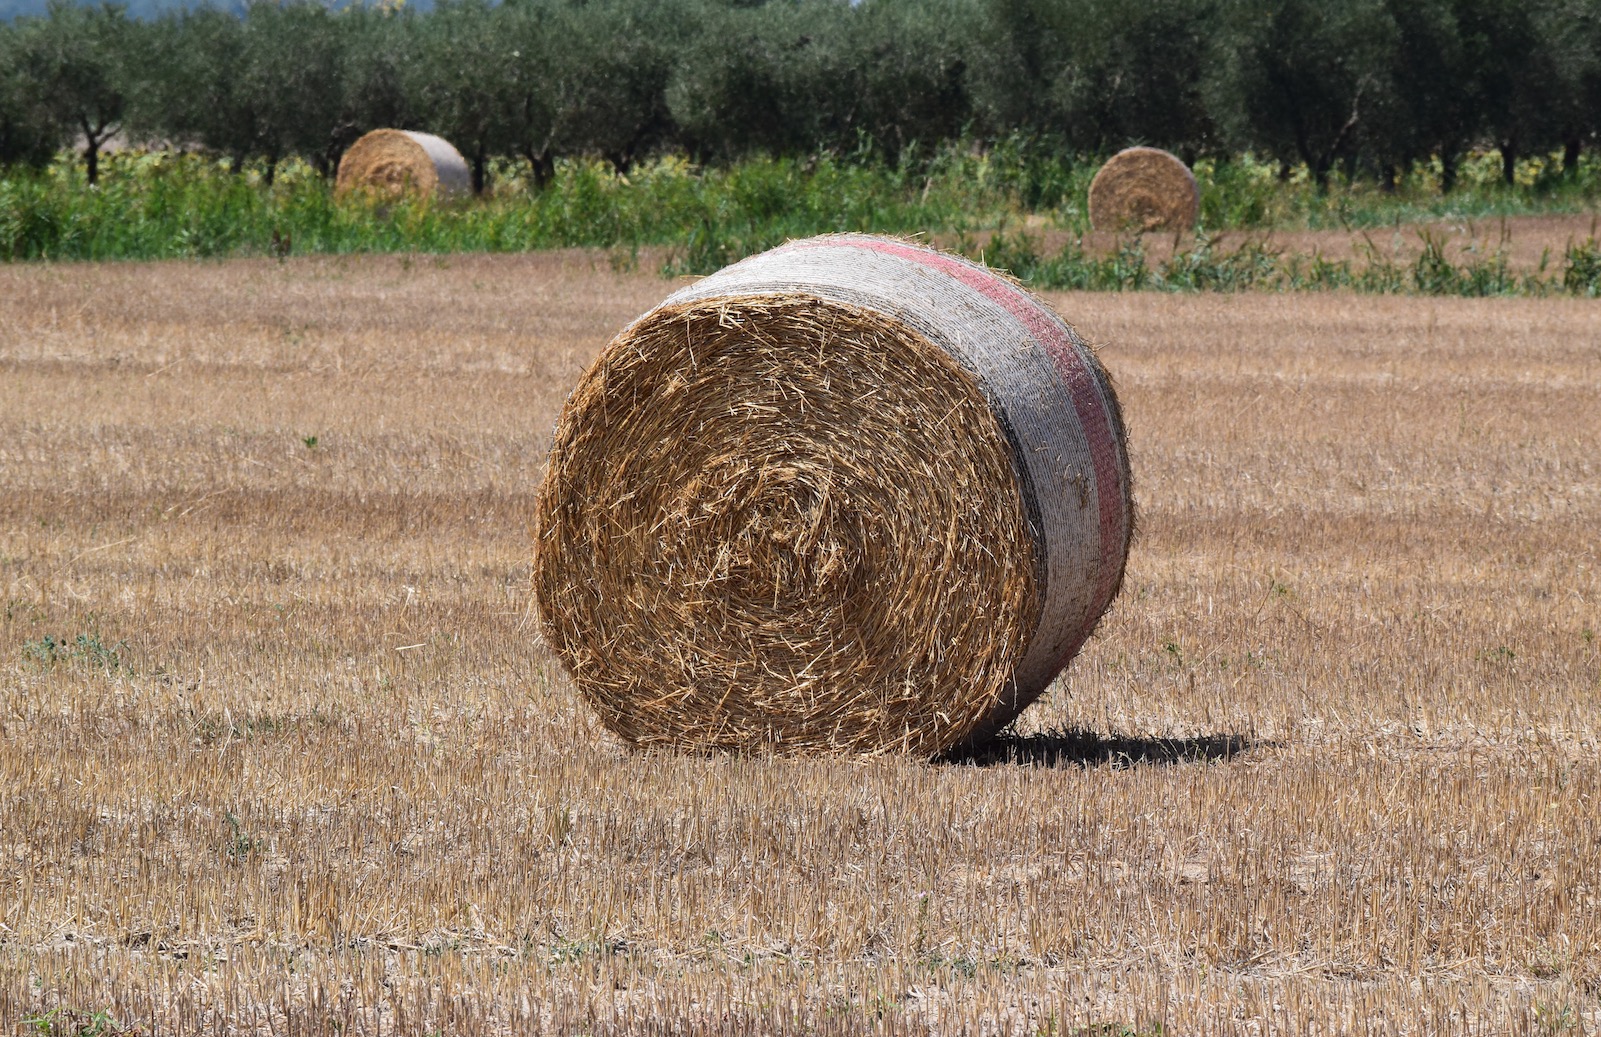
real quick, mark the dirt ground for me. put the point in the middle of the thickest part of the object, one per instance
(281, 750)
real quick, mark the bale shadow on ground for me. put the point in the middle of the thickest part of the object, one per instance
(1089, 749)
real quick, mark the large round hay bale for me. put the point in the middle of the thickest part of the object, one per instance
(1144, 189)
(392, 163)
(849, 495)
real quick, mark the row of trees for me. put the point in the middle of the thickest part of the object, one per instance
(1368, 86)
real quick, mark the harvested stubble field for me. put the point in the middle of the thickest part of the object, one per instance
(280, 751)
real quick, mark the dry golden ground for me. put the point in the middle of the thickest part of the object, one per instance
(1332, 765)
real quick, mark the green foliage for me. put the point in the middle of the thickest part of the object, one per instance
(27, 133)
(1243, 192)
(1527, 59)
(1371, 90)
(269, 85)
(76, 72)
(165, 205)
(1582, 272)
(1207, 267)
(445, 78)
(1434, 274)
(1294, 77)
(889, 76)
(1094, 75)
(69, 1022)
(85, 650)
(238, 844)
(1071, 268)
(1146, 80)
(375, 71)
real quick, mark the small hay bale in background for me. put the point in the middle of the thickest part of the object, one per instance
(849, 495)
(392, 163)
(1144, 189)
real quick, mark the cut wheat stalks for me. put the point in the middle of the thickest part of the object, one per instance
(852, 495)
(392, 163)
(1144, 189)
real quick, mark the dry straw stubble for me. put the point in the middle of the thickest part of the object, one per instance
(787, 511)
(1410, 844)
(1144, 189)
(392, 163)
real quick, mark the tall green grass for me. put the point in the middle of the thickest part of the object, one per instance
(166, 205)
(1206, 267)
(163, 205)
(1245, 193)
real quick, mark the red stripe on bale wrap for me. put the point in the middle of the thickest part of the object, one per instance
(1014, 393)
(851, 494)
(1049, 331)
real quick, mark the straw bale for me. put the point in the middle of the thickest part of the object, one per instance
(1144, 189)
(392, 163)
(850, 495)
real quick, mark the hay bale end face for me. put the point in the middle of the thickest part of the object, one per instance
(851, 495)
(1144, 189)
(393, 163)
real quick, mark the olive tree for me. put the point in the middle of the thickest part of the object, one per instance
(27, 134)
(459, 79)
(78, 67)
(1297, 78)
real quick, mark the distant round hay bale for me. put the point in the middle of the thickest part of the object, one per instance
(849, 495)
(392, 163)
(1144, 189)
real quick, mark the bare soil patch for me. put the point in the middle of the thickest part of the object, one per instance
(281, 750)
